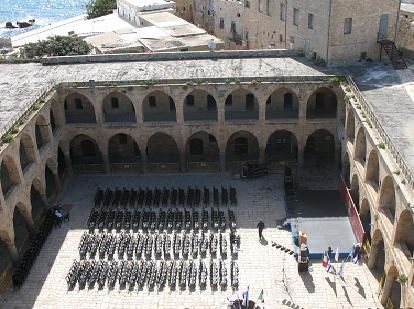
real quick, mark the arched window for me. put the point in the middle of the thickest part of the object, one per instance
(196, 147)
(229, 100)
(241, 146)
(88, 149)
(114, 102)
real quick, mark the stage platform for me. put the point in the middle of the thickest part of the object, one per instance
(322, 216)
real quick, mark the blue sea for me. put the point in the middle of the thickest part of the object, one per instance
(45, 12)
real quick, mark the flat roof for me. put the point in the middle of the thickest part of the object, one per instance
(149, 3)
(163, 19)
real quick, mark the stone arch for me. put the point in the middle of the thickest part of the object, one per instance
(282, 103)
(346, 169)
(122, 148)
(158, 106)
(365, 216)
(320, 147)
(42, 132)
(350, 125)
(84, 150)
(387, 202)
(117, 107)
(404, 232)
(361, 145)
(55, 119)
(38, 197)
(322, 104)
(162, 148)
(50, 183)
(27, 151)
(354, 190)
(22, 221)
(242, 146)
(282, 144)
(9, 174)
(200, 105)
(373, 170)
(202, 146)
(241, 104)
(377, 257)
(79, 109)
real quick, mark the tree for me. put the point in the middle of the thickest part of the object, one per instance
(97, 8)
(57, 46)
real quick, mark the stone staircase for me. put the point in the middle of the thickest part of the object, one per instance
(393, 53)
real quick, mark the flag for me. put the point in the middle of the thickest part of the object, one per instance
(330, 268)
(245, 296)
(261, 297)
(337, 254)
(341, 269)
(325, 259)
(350, 252)
(355, 259)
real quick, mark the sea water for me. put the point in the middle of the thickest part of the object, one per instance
(45, 12)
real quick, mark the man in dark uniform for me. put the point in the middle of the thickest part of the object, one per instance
(261, 227)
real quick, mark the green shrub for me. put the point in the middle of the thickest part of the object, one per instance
(369, 123)
(199, 81)
(348, 89)
(36, 106)
(358, 106)
(75, 85)
(353, 96)
(237, 81)
(97, 8)
(277, 80)
(110, 84)
(321, 62)
(150, 82)
(129, 88)
(403, 181)
(57, 46)
(397, 172)
(227, 81)
(57, 86)
(381, 145)
(42, 100)
(189, 83)
(14, 130)
(8, 138)
(402, 278)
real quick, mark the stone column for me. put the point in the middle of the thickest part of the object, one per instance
(337, 160)
(387, 289)
(223, 161)
(301, 158)
(14, 254)
(373, 255)
(44, 201)
(262, 154)
(68, 163)
(28, 220)
(144, 162)
(56, 178)
(106, 163)
(183, 161)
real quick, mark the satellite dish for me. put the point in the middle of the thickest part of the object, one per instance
(211, 45)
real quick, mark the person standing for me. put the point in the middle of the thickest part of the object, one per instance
(261, 227)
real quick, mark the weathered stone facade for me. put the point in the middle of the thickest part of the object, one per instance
(332, 30)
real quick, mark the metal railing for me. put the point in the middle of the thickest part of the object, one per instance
(384, 135)
(203, 166)
(163, 167)
(126, 167)
(89, 168)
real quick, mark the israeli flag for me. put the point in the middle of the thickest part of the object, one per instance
(245, 296)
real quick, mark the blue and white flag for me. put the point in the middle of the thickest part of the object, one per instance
(341, 269)
(355, 259)
(351, 252)
(245, 296)
(337, 254)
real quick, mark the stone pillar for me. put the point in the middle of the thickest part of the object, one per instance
(301, 158)
(28, 220)
(262, 154)
(337, 160)
(68, 163)
(144, 162)
(44, 201)
(14, 254)
(57, 180)
(106, 163)
(387, 289)
(223, 161)
(183, 161)
(373, 255)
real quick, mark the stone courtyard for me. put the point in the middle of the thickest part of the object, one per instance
(261, 266)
